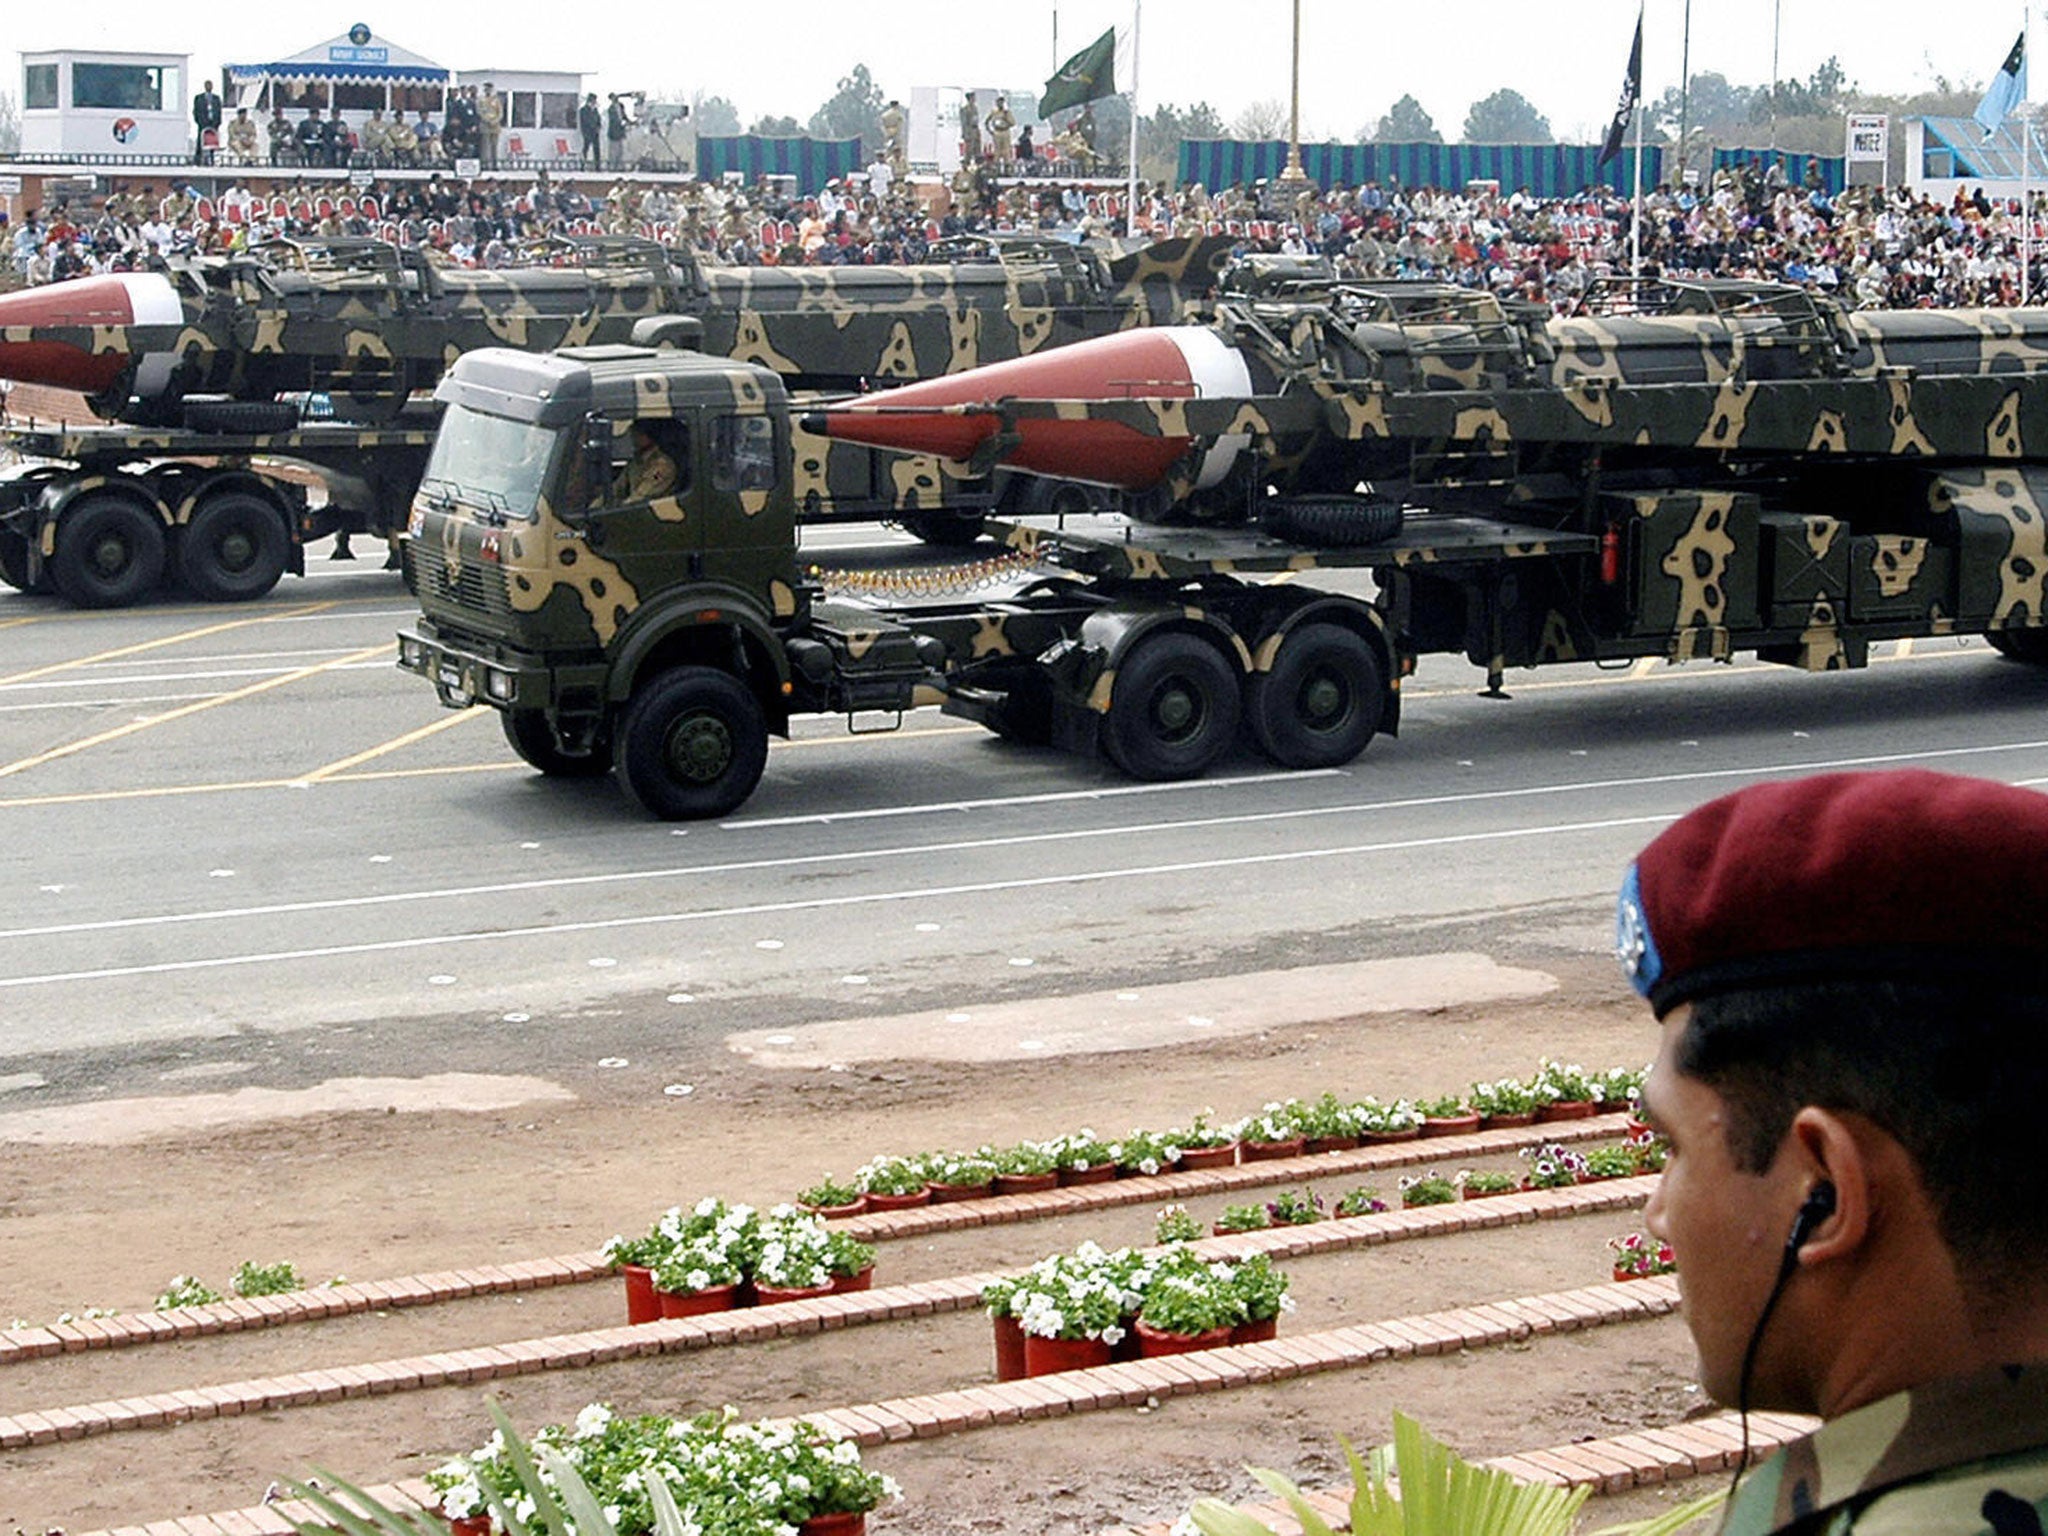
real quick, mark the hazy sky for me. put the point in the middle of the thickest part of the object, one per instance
(1357, 55)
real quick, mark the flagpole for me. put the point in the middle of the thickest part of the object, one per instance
(2026, 160)
(1131, 164)
(1635, 223)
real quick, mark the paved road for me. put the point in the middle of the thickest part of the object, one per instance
(239, 833)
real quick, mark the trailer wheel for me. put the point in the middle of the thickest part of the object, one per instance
(1322, 701)
(534, 740)
(233, 549)
(943, 530)
(110, 552)
(245, 416)
(1339, 521)
(692, 744)
(1173, 708)
(2027, 645)
(14, 564)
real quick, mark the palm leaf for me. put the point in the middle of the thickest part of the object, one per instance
(370, 1516)
(1312, 1523)
(1213, 1517)
(1673, 1520)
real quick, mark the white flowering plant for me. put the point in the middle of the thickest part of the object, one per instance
(847, 1256)
(1146, 1152)
(1375, 1118)
(1088, 1294)
(1563, 1082)
(795, 1250)
(1200, 1132)
(893, 1176)
(1079, 1151)
(1275, 1121)
(186, 1291)
(613, 1475)
(1503, 1096)
(960, 1170)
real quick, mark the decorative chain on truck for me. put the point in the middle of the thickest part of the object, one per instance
(1688, 470)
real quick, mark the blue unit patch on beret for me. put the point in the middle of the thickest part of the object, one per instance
(1634, 945)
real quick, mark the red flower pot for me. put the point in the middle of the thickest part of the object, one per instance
(1047, 1357)
(952, 1194)
(919, 1197)
(863, 1281)
(1470, 1193)
(1026, 1183)
(771, 1295)
(470, 1525)
(1209, 1157)
(1381, 1138)
(1219, 1230)
(1100, 1173)
(1260, 1330)
(1270, 1151)
(1450, 1125)
(836, 1212)
(1565, 1109)
(1153, 1342)
(641, 1305)
(713, 1298)
(1627, 1274)
(1009, 1348)
(1508, 1121)
(1329, 1144)
(838, 1523)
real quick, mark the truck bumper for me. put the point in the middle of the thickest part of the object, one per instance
(466, 672)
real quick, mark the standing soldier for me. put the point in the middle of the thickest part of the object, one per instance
(590, 123)
(892, 138)
(616, 122)
(970, 130)
(205, 125)
(490, 116)
(1000, 126)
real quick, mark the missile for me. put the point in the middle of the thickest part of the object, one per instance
(369, 323)
(958, 416)
(66, 334)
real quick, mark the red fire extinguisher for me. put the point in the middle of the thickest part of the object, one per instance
(1610, 555)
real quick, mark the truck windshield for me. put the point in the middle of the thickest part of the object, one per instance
(490, 464)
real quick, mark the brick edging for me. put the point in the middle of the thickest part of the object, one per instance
(1638, 1459)
(1001, 1210)
(605, 1346)
(932, 1415)
(239, 1313)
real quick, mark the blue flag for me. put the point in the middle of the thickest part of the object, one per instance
(2007, 90)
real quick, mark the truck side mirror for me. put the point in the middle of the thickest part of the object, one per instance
(595, 450)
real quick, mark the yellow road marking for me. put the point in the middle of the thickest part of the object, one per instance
(21, 765)
(157, 644)
(1905, 649)
(1645, 665)
(433, 728)
(1282, 578)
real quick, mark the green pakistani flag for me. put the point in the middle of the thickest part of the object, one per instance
(1087, 75)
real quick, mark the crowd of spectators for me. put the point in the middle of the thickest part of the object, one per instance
(1868, 247)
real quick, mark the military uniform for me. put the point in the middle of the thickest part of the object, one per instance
(1967, 1456)
(892, 139)
(1001, 124)
(490, 117)
(970, 130)
(649, 474)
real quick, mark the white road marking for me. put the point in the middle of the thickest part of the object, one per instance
(1050, 797)
(971, 845)
(89, 680)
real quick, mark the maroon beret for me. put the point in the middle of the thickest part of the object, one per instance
(1909, 875)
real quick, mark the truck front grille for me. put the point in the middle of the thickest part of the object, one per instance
(475, 588)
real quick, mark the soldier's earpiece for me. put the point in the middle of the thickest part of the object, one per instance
(1818, 1206)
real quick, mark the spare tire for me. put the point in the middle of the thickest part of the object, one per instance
(242, 416)
(1341, 522)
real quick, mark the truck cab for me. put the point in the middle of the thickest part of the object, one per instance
(604, 549)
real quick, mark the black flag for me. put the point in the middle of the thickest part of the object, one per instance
(1631, 93)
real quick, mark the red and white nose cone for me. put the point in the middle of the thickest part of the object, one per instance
(1162, 363)
(108, 306)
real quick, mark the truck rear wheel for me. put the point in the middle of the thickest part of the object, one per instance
(534, 740)
(110, 552)
(1173, 708)
(1322, 701)
(233, 549)
(2028, 645)
(692, 744)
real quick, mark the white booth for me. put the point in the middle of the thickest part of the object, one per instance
(91, 104)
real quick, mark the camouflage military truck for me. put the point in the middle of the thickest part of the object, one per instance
(669, 636)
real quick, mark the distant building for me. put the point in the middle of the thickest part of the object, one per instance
(91, 105)
(1947, 155)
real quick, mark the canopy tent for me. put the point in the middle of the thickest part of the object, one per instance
(1548, 170)
(354, 58)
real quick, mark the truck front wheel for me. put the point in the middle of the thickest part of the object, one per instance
(692, 744)
(1322, 701)
(534, 739)
(1173, 708)
(110, 552)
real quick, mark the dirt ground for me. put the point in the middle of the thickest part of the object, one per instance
(379, 1194)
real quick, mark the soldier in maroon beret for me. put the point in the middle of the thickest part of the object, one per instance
(1852, 976)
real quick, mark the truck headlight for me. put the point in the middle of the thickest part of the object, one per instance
(410, 652)
(499, 685)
